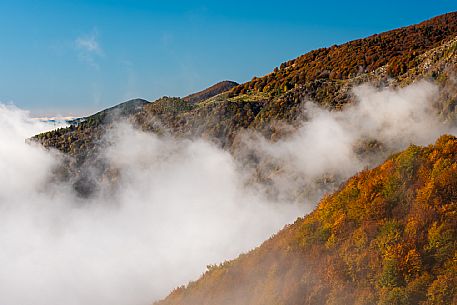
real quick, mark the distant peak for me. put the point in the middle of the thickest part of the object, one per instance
(136, 100)
(207, 93)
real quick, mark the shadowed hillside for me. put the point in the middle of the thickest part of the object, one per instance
(82, 133)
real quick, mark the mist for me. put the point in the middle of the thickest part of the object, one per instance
(331, 146)
(179, 205)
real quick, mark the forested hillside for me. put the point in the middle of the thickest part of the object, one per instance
(220, 116)
(387, 236)
(398, 50)
(325, 76)
(210, 92)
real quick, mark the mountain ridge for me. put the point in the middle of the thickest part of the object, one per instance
(220, 117)
(386, 236)
(104, 116)
(395, 49)
(209, 92)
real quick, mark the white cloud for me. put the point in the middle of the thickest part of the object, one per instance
(178, 205)
(89, 43)
(89, 48)
(327, 142)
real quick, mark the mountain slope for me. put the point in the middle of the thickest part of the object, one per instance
(121, 110)
(396, 49)
(273, 114)
(280, 95)
(83, 133)
(388, 236)
(210, 92)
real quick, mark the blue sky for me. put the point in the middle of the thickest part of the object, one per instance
(76, 57)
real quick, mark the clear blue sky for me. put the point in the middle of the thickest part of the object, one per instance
(61, 57)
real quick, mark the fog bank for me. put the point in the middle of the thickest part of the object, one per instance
(179, 205)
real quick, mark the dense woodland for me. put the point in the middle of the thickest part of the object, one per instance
(397, 50)
(388, 236)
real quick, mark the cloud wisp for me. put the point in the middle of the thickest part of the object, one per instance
(89, 49)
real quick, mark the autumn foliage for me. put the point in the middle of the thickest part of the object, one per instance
(388, 236)
(397, 50)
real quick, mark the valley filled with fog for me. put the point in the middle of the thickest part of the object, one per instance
(178, 204)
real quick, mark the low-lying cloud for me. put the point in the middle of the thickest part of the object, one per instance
(331, 146)
(178, 205)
